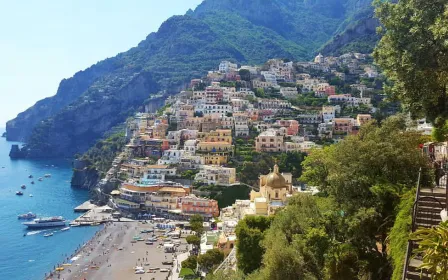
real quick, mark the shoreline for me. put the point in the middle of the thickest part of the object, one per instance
(78, 250)
(113, 253)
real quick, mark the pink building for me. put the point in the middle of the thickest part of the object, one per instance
(292, 126)
(196, 205)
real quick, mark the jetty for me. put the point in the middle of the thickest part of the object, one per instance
(86, 206)
(95, 216)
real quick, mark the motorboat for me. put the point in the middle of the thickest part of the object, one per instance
(19, 193)
(46, 222)
(31, 195)
(47, 175)
(31, 176)
(65, 229)
(48, 234)
(27, 216)
(40, 179)
(23, 186)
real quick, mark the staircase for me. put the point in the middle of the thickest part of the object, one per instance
(426, 213)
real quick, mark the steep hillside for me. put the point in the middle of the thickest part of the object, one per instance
(184, 47)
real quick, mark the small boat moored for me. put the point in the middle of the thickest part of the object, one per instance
(31, 195)
(40, 179)
(47, 175)
(29, 215)
(32, 182)
(31, 176)
(19, 193)
(48, 234)
(23, 186)
(65, 229)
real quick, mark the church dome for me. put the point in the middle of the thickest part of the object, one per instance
(275, 180)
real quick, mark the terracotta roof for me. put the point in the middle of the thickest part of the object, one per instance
(170, 189)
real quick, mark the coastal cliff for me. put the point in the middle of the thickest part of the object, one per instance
(85, 176)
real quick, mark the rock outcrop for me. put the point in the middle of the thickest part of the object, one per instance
(84, 175)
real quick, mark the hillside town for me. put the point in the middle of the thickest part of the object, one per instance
(191, 143)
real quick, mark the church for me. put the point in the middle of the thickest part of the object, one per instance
(275, 189)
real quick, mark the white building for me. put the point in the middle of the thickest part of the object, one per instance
(159, 172)
(289, 92)
(171, 157)
(227, 67)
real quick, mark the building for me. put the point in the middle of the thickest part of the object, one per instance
(159, 172)
(292, 126)
(270, 140)
(227, 67)
(275, 188)
(216, 175)
(363, 119)
(328, 113)
(196, 205)
(289, 92)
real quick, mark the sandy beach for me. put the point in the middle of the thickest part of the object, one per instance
(110, 254)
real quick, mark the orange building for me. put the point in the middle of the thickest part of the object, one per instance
(197, 205)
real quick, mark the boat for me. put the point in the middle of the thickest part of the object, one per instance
(65, 229)
(47, 175)
(19, 193)
(23, 186)
(48, 234)
(46, 222)
(31, 195)
(29, 215)
(32, 182)
(31, 176)
(40, 179)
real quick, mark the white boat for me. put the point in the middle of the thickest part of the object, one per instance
(65, 229)
(48, 234)
(28, 215)
(40, 179)
(19, 193)
(47, 175)
(23, 186)
(31, 195)
(46, 222)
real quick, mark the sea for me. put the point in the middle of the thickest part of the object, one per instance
(27, 254)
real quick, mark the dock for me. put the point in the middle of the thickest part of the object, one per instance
(86, 206)
(95, 216)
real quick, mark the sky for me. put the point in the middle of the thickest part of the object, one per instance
(44, 41)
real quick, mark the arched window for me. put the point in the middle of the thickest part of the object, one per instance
(276, 194)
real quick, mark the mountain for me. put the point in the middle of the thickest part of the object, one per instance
(244, 31)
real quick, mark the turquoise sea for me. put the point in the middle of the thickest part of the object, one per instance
(31, 256)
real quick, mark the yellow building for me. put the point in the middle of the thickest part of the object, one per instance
(214, 147)
(275, 188)
(219, 135)
(213, 159)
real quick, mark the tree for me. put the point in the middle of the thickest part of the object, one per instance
(433, 246)
(210, 259)
(414, 55)
(366, 175)
(191, 262)
(197, 224)
(193, 240)
(250, 233)
(245, 74)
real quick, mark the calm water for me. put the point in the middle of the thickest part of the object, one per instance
(30, 256)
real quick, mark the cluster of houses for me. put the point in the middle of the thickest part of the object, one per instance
(194, 136)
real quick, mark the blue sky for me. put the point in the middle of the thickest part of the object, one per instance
(44, 41)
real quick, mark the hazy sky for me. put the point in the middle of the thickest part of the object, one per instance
(44, 41)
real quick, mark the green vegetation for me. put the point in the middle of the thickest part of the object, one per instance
(190, 263)
(357, 227)
(103, 153)
(188, 273)
(411, 53)
(250, 233)
(399, 234)
(433, 246)
(210, 259)
(196, 224)
(194, 240)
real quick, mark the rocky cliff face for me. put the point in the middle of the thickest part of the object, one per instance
(20, 128)
(84, 176)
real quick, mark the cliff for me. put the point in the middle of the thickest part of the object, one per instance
(246, 31)
(84, 175)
